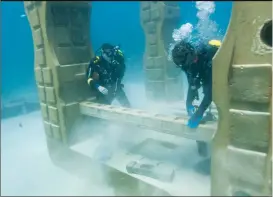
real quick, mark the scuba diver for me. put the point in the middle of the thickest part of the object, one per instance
(196, 62)
(105, 73)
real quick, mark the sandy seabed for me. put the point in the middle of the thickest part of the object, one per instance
(26, 168)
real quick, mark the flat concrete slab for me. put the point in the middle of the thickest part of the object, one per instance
(118, 148)
(170, 124)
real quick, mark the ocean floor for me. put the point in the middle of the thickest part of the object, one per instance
(26, 169)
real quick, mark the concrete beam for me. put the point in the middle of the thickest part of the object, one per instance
(172, 125)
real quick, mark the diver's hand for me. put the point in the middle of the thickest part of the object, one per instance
(194, 121)
(102, 90)
(191, 110)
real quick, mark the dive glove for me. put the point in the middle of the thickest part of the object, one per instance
(194, 121)
(191, 110)
(102, 90)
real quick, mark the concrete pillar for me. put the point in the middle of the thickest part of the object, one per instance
(62, 50)
(242, 91)
(159, 19)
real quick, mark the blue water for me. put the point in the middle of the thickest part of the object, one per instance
(115, 22)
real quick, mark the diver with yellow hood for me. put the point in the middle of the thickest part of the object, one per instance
(196, 62)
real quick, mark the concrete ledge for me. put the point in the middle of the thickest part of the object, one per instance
(172, 125)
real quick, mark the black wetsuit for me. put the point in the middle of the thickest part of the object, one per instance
(199, 75)
(108, 75)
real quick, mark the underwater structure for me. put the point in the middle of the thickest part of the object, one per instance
(241, 159)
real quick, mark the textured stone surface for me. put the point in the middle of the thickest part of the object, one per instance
(255, 126)
(241, 156)
(246, 166)
(158, 19)
(251, 83)
(66, 27)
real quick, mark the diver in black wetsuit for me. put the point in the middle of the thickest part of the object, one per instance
(105, 73)
(197, 64)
